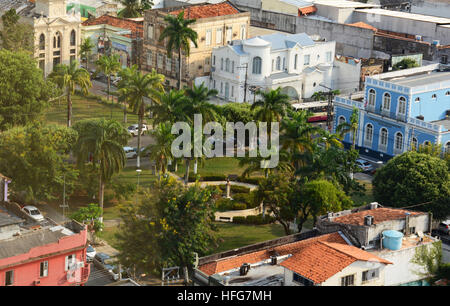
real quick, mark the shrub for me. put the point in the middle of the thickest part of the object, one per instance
(224, 204)
(254, 220)
(123, 191)
(239, 206)
(239, 220)
(250, 180)
(239, 189)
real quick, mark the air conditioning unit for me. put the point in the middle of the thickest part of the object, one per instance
(436, 42)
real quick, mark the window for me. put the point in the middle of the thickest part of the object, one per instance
(417, 100)
(273, 65)
(214, 84)
(383, 138)
(219, 36)
(341, 120)
(9, 278)
(386, 102)
(149, 58)
(160, 59)
(57, 40)
(150, 31)
(257, 65)
(371, 97)
(278, 63)
(348, 280)
(398, 142)
(42, 42)
(208, 37)
(227, 65)
(434, 96)
(70, 260)
(221, 87)
(168, 64)
(295, 61)
(42, 65)
(72, 38)
(427, 143)
(447, 147)
(306, 60)
(229, 36)
(232, 67)
(401, 106)
(447, 93)
(243, 31)
(43, 270)
(232, 91)
(328, 56)
(370, 274)
(368, 134)
(414, 143)
(444, 59)
(214, 60)
(301, 280)
(284, 63)
(221, 64)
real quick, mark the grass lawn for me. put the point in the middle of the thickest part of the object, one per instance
(108, 235)
(366, 198)
(239, 235)
(85, 108)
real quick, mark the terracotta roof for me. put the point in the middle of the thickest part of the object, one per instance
(134, 26)
(379, 215)
(307, 10)
(363, 25)
(207, 10)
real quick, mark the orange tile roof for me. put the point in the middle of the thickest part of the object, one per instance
(134, 26)
(307, 10)
(363, 25)
(379, 215)
(207, 10)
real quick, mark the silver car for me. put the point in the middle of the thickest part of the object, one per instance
(444, 227)
(33, 212)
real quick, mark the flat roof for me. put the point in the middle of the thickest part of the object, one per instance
(344, 3)
(420, 79)
(397, 14)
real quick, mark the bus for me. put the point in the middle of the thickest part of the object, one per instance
(318, 108)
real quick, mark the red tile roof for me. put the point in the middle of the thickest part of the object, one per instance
(379, 215)
(207, 10)
(307, 10)
(126, 24)
(363, 25)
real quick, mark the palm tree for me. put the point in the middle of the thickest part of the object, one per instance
(125, 77)
(134, 8)
(101, 142)
(85, 50)
(68, 77)
(329, 139)
(142, 86)
(109, 65)
(170, 107)
(351, 127)
(180, 36)
(161, 151)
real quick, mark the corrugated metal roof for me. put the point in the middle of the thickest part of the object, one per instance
(298, 3)
(284, 41)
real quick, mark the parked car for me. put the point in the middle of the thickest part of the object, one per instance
(134, 129)
(364, 165)
(104, 261)
(444, 227)
(130, 152)
(90, 253)
(33, 212)
(115, 272)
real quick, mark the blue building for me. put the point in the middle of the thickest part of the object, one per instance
(399, 111)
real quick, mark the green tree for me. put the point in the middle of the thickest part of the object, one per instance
(165, 230)
(180, 36)
(134, 8)
(349, 127)
(414, 178)
(236, 112)
(160, 151)
(68, 77)
(16, 35)
(169, 107)
(101, 142)
(126, 75)
(35, 157)
(90, 215)
(429, 258)
(85, 50)
(405, 64)
(109, 65)
(143, 86)
(24, 94)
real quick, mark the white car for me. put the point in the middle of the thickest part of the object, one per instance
(33, 212)
(134, 129)
(90, 253)
(130, 152)
(364, 165)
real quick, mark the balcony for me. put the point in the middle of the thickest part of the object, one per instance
(386, 113)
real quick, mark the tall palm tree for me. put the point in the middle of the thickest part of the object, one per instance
(161, 151)
(349, 127)
(180, 36)
(68, 77)
(170, 107)
(142, 86)
(109, 65)
(134, 8)
(125, 75)
(85, 50)
(101, 142)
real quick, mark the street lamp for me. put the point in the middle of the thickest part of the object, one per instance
(137, 189)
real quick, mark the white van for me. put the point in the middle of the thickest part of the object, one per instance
(130, 152)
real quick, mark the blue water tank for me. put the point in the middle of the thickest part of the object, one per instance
(392, 240)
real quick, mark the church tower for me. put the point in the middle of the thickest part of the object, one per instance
(51, 8)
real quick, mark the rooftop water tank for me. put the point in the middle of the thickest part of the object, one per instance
(392, 240)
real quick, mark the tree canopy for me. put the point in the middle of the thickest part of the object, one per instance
(16, 35)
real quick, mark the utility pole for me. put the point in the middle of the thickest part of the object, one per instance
(245, 83)
(330, 106)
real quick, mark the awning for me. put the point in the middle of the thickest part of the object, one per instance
(307, 10)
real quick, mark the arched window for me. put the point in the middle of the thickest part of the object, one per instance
(341, 120)
(386, 101)
(257, 65)
(278, 63)
(73, 40)
(414, 144)
(42, 42)
(369, 134)
(227, 65)
(398, 146)
(434, 96)
(447, 93)
(417, 100)
(402, 106)
(427, 143)
(57, 40)
(383, 138)
(447, 147)
(371, 98)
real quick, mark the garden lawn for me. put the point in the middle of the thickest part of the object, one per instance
(86, 108)
(234, 236)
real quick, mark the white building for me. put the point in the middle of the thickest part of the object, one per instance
(293, 62)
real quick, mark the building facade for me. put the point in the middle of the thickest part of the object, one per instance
(216, 25)
(293, 62)
(400, 111)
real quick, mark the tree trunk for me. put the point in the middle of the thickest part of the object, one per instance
(195, 166)
(179, 69)
(141, 117)
(101, 191)
(176, 165)
(186, 275)
(109, 85)
(69, 108)
(125, 111)
(186, 175)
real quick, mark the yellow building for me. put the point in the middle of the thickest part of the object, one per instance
(216, 25)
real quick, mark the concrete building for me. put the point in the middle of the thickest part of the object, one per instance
(293, 7)
(40, 253)
(293, 62)
(93, 8)
(400, 110)
(216, 25)
(113, 35)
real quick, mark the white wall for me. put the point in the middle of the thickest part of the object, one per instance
(346, 77)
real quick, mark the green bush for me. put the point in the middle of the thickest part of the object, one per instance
(239, 189)
(250, 180)
(224, 204)
(123, 191)
(239, 220)
(254, 220)
(239, 206)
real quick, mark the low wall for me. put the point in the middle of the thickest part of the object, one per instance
(227, 216)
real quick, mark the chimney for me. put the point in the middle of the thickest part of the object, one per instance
(368, 220)
(330, 216)
(374, 205)
(273, 260)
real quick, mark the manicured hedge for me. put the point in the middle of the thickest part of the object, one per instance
(250, 180)
(254, 220)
